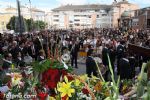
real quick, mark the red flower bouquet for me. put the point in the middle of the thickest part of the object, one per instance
(42, 95)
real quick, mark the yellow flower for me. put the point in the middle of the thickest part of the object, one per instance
(124, 88)
(77, 82)
(94, 78)
(107, 94)
(15, 81)
(51, 98)
(16, 78)
(12, 66)
(84, 77)
(139, 78)
(98, 87)
(65, 88)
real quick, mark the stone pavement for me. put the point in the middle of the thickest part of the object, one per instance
(81, 67)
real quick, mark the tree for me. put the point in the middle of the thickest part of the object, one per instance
(11, 23)
(40, 25)
(26, 24)
(29, 24)
(15, 25)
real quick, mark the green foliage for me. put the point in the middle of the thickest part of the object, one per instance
(14, 24)
(26, 24)
(29, 24)
(39, 25)
(11, 23)
(127, 82)
(41, 66)
(148, 64)
(148, 91)
(115, 86)
(142, 79)
(46, 64)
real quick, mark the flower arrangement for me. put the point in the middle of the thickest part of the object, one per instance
(125, 86)
(52, 79)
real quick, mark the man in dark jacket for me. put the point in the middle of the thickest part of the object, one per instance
(90, 64)
(74, 53)
(105, 52)
(125, 69)
(7, 62)
(120, 54)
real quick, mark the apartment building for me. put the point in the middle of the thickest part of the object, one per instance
(141, 20)
(90, 16)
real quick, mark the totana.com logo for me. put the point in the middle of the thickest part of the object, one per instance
(19, 96)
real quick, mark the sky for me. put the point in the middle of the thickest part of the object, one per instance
(47, 5)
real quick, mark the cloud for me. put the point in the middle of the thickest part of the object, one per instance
(74, 2)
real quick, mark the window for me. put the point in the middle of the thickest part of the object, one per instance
(76, 19)
(89, 16)
(77, 24)
(76, 15)
(104, 14)
(56, 15)
(70, 21)
(96, 10)
(56, 20)
(97, 16)
(70, 25)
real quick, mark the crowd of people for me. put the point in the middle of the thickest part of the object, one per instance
(24, 48)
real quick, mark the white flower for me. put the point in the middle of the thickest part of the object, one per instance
(64, 64)
(65, 57)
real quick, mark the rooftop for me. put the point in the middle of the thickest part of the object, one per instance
(123, 2)
(82, 7)
(12, 9)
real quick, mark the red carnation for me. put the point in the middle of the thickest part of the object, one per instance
(64, 72)
(42, 96)
(85, 91)
(70, 78)
(51, 85)
(65, 97)
(51, 78)
(1, 96)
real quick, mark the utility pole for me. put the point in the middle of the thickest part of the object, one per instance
(31, 15)
(19, 18)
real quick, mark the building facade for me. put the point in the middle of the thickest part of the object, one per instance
(90, 16)
(141, 20)
(26, 12)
